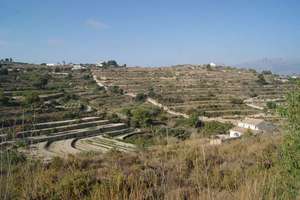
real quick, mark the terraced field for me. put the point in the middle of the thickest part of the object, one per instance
(61, 138)
(212, 92)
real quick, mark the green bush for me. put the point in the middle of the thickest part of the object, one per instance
(215, 128)
(4, 100)
(143, 116)
(290, 161)
(271, 105)
(140, 97)
(116, 90)
(3, 71)
(261, 79)
(40, 82)
(31, 98)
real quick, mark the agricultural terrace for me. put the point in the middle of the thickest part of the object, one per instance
(207, 91)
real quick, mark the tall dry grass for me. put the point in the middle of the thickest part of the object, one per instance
(238, 170)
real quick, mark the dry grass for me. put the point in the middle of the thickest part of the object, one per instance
(190, 170)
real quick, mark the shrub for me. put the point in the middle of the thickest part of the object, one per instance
(40, 82)
(3, 71)
(236, 101)
(271, 105)
(215, 128)
(261, 79)
(140, 97)
(116, 90)
(290, 161)
(151, 93)
(143, 116)
(4, 100)
(31, 98)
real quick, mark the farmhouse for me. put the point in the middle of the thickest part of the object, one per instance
(254, 125)
(250, 123)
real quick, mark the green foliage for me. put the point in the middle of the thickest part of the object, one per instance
(193, 121)
(151, 92)
(116, 89)
(4, 100)
(114, 118)
(11, 157)
(86, 77)
(31, 98)
(266, 72)
(173, 132)
(140, 97)
(271, 105)
(215, 128)
(3, 71)
(291, 146)
(142, 116)
(261, 79)
(40, 82)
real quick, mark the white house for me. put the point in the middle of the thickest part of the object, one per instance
(250, 123)
(254, 125)
(212, 64)
(78, 67)
(100, 64)
(50, 64)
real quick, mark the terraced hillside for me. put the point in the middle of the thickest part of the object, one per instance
(208, 91)
(60, 138)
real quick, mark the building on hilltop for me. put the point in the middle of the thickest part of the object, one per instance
(78, 67)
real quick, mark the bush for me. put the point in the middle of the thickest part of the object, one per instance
(116, 90)
(40, 82)
(266, 72)
(3, 71)
(4, 100)
(261, 79)
(290, 162)
(31, 98)
(215, 128)
(236, 101)
(142, 116)
(140, 97)
(271, 105)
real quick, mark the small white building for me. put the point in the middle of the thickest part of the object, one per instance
(50, 64)
(256, 126)
(100, 64)
(250, 123)
(212, 64)
(78, 67)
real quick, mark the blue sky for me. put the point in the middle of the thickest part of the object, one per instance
(149, 32)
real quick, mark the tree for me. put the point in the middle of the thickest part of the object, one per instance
(266, 72)
(291, 147)
(41, 82)
(3, 71)
(4, 100)
(140, 97)
(31, 98)
(261, 79)
(112, 63)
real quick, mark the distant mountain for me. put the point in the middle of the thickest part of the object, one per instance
(276, 65)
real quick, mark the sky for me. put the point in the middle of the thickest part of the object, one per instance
(149, 32)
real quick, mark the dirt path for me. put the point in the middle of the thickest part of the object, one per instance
(150, 100)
